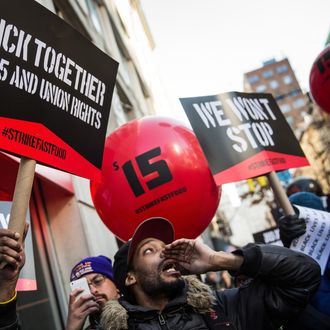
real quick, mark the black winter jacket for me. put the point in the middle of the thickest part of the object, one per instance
(283, 282)
(8, 317)
(94, 324)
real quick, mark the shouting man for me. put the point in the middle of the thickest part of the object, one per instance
(148, 271)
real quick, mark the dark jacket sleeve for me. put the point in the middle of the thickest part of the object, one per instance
(8, 317)
(283, 282)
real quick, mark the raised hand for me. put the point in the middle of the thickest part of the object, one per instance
(192, 255)
(80, 309)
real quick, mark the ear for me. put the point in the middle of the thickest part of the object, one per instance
(130, 279)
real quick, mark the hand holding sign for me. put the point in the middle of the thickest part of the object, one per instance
(291, 227)
(154, 166)
(13, 257)
(22, 192)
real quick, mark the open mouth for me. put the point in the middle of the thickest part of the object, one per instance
(170, 267)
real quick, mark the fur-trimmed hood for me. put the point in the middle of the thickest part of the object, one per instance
(199, 297)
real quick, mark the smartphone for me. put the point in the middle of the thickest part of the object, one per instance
(80, 283)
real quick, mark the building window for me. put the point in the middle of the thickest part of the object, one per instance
(253, 79)
(289, 119)
(279, 97)
(285, 107)
(287, 79)
(94, 15)
(83, 6)
(282, 68)
(268, 62)
(125, 102)
(274, 84)
(117, 109)
(261, 88)
(267, 74)
(295, 92)
(298, 103)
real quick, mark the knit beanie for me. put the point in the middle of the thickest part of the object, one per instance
(99, 264)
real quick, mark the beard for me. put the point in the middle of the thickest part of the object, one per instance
(155, 285)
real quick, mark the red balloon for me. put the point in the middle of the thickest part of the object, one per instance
(319, 80)
(154, 166)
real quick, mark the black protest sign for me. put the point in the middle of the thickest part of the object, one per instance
(27, 278)
(243, 135)
(56, 89)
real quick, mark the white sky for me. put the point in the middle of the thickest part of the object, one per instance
(203, 47)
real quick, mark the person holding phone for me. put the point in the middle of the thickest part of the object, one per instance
(98, 276)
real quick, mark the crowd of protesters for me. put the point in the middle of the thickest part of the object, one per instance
(155, 282)
(154, 294)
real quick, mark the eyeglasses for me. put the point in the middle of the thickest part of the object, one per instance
(97, 281)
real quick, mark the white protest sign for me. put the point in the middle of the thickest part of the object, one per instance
(316, 241)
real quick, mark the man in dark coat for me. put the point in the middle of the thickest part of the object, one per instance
(148, 271)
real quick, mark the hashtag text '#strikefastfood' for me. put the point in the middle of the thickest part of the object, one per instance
(33, 142)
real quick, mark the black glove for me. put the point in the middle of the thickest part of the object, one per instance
(291, 227)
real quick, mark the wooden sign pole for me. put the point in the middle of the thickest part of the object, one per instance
(280, 194)
(22, 193)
